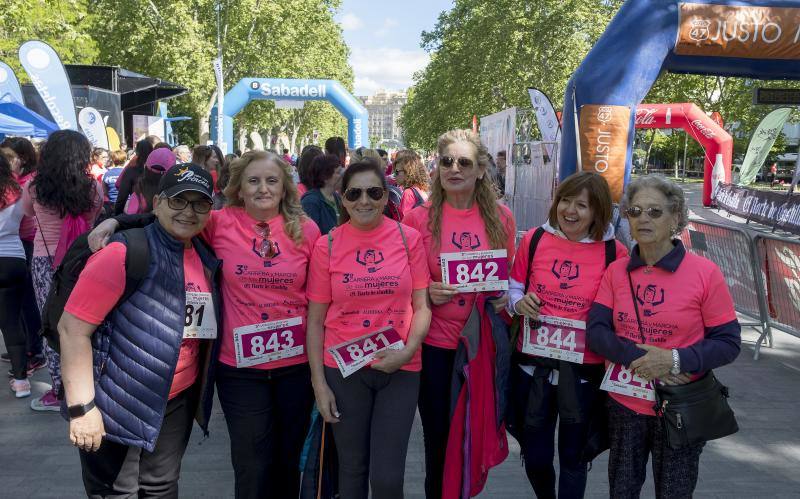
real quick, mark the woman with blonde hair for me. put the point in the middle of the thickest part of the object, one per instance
(461, 215)
(265, 241)
(410, 174)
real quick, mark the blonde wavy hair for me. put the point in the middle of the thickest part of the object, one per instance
(289, 207)
(484, 194)
(415, 173)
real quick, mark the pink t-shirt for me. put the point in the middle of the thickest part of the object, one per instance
(675, 308)
(408, 200)
(565, 275)
(368, 280)
(51, 221)
(462, 230)
(255, 289)
(102, 283)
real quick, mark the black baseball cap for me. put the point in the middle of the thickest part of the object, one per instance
(186, 177)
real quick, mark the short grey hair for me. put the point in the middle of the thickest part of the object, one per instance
(182, 149)
(676, 200)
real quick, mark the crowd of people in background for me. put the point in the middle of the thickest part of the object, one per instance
(269, 274)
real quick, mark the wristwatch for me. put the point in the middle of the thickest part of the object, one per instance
(676, 363)
(78, 410)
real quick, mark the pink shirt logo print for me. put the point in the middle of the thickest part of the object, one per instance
(465, 241)
(567, 271)
(649, 298)
(370, 259)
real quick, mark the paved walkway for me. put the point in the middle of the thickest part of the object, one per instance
(762, 460)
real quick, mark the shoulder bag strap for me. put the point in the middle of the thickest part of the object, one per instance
(403, 235)
(611, 251)
(537, 235)
(636, 309)
(41, 234)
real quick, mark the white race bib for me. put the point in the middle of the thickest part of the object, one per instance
(200, 321)
(352, 355)
(619, 379)
(269, 341)
(556, 338)
(476, 271)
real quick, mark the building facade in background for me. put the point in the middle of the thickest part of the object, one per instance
(384, 114)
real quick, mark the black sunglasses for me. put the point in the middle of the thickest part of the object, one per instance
(353, 194)
(652, 212)
(449, 161)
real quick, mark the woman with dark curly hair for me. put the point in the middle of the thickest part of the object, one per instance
(130, 175)
(65, 200)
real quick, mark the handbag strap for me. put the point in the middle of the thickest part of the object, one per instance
(636, 309)
(46, 248)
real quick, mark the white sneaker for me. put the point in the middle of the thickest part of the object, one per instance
(20, 387)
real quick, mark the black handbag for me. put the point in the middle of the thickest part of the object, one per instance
(693, 413)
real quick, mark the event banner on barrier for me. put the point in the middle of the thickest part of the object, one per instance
(738, 31)
(769, 208)
(604, 143)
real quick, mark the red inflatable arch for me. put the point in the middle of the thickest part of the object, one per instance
(718, 143)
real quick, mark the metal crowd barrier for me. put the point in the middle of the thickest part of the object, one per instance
(762, 272)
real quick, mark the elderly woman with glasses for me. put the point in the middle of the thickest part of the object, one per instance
(661, 315)
(265, 241)
(135, 375)
(368, 313)
(462, 215)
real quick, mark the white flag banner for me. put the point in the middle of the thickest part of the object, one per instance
(546, 118)
(93, 127)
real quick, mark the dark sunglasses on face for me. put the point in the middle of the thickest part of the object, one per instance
(449, 161)
(199, 206)
(353, 194)
(652, 212)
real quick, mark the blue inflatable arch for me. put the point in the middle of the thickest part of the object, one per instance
(300, 90)
(650, 36)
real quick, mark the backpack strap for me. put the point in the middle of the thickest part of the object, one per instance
(537, 235)
(330, 244)
(403, 235)
(418, 200)
(611, 251)
(137, 260)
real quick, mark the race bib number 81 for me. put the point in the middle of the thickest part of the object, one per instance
(619, 379)
(269, 341)
(556, 338)
(476, 271)
(200, 321)
(352, 355)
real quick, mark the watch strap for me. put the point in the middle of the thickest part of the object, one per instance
(676, 362)
(78, 410)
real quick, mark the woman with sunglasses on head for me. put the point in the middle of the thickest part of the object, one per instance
(661, 315)
(461, 215)
(265, 242)
(136, 374)
(367, 289)
(555, 379)
(410, 174)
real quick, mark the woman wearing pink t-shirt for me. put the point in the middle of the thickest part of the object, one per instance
(410, 174)
(462, 215)
(555, 379)
(661, 315)
(265, 241)
(367, 290)
(61, 193)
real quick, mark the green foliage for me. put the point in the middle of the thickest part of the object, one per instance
(176, 40)
(60, 23)
(488, 53)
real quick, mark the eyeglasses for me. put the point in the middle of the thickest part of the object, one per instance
(353, 194)
(200, 206)
(652, 212)
(463, 163)
(267, 248)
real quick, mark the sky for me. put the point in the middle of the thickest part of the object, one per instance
(384, 38)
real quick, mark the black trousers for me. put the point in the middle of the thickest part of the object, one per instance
(434, 411)
(31, 318)
(12, 285)
(538, 443)
(268, 414)
(633, 437)
(377, 411)
(122, 471)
